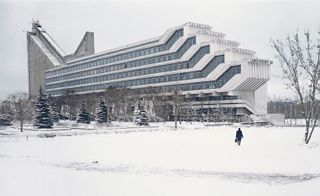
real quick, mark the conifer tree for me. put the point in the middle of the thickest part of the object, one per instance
(102, 114)
(140, 116)
(55, 114)
(5, 121)
(43, 115)
(83, 116)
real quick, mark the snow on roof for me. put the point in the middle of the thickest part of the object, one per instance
(198, 25)
(43, 48)
(133, 46)
(119, 49)
(52, 42)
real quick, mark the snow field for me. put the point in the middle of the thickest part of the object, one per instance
(193, 160)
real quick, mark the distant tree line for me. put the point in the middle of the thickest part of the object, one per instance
(113, 104)
(290, 108)
(119, 103)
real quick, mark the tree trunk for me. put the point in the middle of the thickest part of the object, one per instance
(175, 115)
(21, 125)
(306, 134)
(310, 135)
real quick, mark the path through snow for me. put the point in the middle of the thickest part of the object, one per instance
(244, 177)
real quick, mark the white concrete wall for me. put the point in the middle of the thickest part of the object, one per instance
(261, 99)
(38, 62)
(247, 95)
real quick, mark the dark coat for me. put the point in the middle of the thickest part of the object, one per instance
(239, 135)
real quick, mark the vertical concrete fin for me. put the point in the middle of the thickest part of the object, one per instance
(39, 60)
(86, 46)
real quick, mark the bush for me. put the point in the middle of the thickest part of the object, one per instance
(5, 121)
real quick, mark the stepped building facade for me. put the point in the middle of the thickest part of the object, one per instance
(191, 59)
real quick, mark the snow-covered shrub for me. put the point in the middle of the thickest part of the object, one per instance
(5, 121)
(140, 116)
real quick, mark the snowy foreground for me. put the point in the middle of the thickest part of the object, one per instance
(193, 160)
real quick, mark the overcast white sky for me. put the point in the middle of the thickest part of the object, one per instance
(120, 22)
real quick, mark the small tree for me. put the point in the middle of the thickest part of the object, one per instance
(140, 116)
(43, 118)
(55, 114)
(300, 62)
(177, 101)
(102, 114)
(7, 109)
(18, 107)
(84, 116)
(5, 121)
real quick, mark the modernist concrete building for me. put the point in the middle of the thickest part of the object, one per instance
(44, 53)
(192, 59)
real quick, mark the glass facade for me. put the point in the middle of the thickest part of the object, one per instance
(102, 61)
(148, 71)
(137, 69)
(212, 98)
(224, 78)
(93, 72)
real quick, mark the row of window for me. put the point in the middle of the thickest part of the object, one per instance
(137, 53)
(177, 55)
(212, 98)
(164, 68)
(224, 78)
(223, 110)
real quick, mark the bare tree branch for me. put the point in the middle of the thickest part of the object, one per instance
(303, 74)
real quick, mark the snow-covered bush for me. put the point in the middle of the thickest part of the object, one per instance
(140, 116)
(5, 121)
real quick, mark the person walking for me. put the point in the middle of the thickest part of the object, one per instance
(239, 136)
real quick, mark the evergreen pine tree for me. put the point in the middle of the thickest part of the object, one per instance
(140, 116)
(102, 114)
(5, 121)
(83, 116)
(55, 114)
(43, 115)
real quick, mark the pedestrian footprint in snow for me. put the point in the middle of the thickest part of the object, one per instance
(239, 136)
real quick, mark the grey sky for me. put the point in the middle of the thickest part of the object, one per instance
(116, 23)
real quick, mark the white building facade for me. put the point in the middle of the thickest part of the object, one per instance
(191, 59)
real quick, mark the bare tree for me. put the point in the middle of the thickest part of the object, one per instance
(177, 99)
(300, 62)
(162, 106)
(156, 103)
(22, 106)
(67, 104)
(120, 99)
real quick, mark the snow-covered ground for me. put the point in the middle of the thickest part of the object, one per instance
(159, 160)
